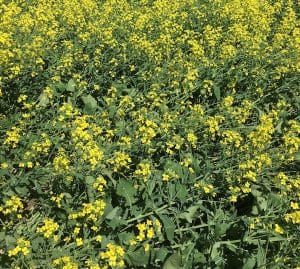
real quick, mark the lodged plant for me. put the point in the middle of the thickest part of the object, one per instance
(149, 134)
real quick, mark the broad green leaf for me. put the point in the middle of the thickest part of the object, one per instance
(250, 263)
(112, 214)
(261, 257)
(43, 99)
(140, 257)
(90, 103)
(126, 190)
(125, 237)
(190, 213)
(182, 192)
(199, 257)
(217, 92)
(173, 262)
(262, 203)
(232, 247)
(71, 85)
(215, 252)
(116, 222)
(168, 226)
(2, 236)
(161, 254)
(221, 228)
(297, 156)
(10, 241)
(23, 191)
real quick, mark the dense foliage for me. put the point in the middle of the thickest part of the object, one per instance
(149, 134)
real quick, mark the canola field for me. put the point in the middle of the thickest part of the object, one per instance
(149, 134)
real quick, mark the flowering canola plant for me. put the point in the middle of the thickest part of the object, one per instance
(149, 134)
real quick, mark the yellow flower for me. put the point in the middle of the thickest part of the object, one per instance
(144, 171)
(294, 205)
(165, 177)
(98, 238)
(114, 255)
(233, 199)
(278, 229)
(49, 227)
(22, 246)
(79, 242)
(192, 138)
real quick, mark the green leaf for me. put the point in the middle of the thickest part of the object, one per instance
(217, 92)
(262, 203)
(221, 228)
(23, 191)
(89, 180)
(168, 226)
(90, 103)
(140, 257)
(116, 222)
(125, 237)
(2, 236)
(10, 241)
(278, 128)
(112, 214)
(173, 262)
(161, 254)
(261, 257)
(250, 263)
(182, 192)
(297, 156)
(71, 85)
(232, 247)
(190, 213)
(43, 99)
(199, 257)
(126, 190)
(215, 253)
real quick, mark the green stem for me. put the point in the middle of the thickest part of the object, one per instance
(147, 214)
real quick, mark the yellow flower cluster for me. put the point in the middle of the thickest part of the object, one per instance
(291, 138)
(278, 229)
(113, 255)
(293, 217)
(148, 229)
(93, 154)
(83, 137)
(42, 147)
(61, 163)
(231, 137)
(12, 205)
(120, 160)
(261, 137)
(192, 139)
(212, 124)
(65, 262)
(187, 162)
(13, 137)
(57, 199)
(168, 175)
(206, 188)
(67, 111)
(23, 246)
(147, 131)
(242, 113)
(92, 211)
(174, 144)
(143, 171)
(100, 184)
(49, 228)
